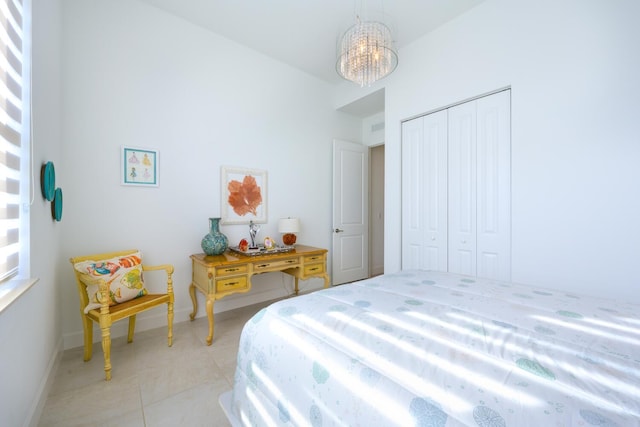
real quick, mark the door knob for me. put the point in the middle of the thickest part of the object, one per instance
(337, 230)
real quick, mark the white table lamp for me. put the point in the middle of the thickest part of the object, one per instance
(288, 227)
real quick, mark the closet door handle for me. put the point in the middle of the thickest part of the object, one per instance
(337, 230)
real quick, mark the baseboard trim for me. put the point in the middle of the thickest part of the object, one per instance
(37, 406)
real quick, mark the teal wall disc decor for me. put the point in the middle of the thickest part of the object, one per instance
(49, 190)
(48, 180)
(56, 205)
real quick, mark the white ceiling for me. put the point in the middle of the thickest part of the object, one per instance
(304, 33)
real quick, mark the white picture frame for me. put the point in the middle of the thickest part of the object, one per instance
(243, 194)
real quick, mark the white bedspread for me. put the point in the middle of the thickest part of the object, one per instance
(421, 348)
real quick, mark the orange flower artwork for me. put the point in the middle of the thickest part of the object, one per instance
(244, 197)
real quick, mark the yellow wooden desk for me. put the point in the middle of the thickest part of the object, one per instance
(220, 275)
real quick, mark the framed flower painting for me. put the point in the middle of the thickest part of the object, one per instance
(243, 195)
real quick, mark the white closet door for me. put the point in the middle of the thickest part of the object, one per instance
(494, 186)
(462, 188)
(412, 194)
(456, 189)
(424, 192)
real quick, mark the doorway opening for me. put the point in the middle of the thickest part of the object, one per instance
(358, 196)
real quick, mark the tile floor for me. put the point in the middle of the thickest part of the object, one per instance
(152, 384)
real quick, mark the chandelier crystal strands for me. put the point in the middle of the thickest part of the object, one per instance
(366, 53)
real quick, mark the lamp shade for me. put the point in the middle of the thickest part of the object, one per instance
(288, 225)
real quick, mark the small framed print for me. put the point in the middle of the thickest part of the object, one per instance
(140, 166)
(269, 243)
(244, 195)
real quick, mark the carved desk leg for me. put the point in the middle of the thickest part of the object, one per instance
(192, 292)
(210, 301)
(326, 280)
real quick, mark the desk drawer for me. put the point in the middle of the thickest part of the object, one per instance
(236, 269)
(312, 269)
(231, 283)
(313, 258)
(276, 264)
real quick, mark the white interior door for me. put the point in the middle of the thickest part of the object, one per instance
(424, 187)
(494, 186)
(462, 188)
(350, 260)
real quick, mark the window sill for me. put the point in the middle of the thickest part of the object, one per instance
(12, 290)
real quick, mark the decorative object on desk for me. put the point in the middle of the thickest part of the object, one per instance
(253, 230)
(261, 250)
(243, 245)
(243, 195)
(289, 226)
(140, 166)
(48, 181)
(269, 243)
(214, 243)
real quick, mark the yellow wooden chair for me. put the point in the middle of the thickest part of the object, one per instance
(105, 312)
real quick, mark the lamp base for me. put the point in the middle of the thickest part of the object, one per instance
(289, 239)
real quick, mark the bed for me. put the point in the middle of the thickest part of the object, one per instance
(419, 348)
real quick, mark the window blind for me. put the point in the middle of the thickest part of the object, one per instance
(11, 133)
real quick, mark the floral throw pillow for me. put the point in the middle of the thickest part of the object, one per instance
(123, 275)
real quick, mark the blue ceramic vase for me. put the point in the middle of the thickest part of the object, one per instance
(214, 243)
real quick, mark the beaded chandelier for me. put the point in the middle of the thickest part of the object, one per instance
(366, 53)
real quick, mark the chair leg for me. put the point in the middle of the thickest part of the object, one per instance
(132, 327)
(170, 322)
(87, 326)
(106, 349)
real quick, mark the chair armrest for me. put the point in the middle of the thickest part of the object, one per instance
(103, 289)
(168, 268)
(90, 280)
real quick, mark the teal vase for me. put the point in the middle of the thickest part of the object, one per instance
(214, 243)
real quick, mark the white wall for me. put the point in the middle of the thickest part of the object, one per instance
(137, 76)
(573, 67)
(30, 329)
(373, 129)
